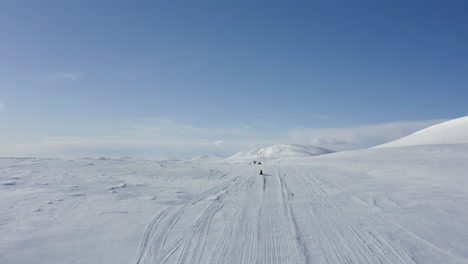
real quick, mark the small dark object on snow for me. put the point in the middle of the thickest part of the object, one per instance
(261, 172)
(259, 163)
(254, 162)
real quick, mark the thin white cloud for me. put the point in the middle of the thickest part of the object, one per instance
(358, 137)
(218, 143)
(163, 138)
(153, 139)
(65, 75)
(89, 147)
(118, 147)
(156, 128)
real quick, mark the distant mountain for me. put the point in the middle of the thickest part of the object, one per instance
(451, 132)
(207, 158)
(280, 151)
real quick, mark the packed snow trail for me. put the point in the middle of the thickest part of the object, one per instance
(262, 230)
(332, 234)
(288, 215)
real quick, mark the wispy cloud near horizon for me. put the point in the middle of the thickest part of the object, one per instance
(64, 75)
(165, 138)
(359, 136)
(218, 143)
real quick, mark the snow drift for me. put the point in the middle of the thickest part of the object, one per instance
(280, 151)
(451, 132)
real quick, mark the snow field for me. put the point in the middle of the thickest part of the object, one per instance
(388, 205)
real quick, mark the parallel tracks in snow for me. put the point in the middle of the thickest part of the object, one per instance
(288, 216)
(152, 248)
(332, 233)
(262, 230)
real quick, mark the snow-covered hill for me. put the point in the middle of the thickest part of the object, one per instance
(207, 158)
(387, 205)
(280, 151)
(451, 132)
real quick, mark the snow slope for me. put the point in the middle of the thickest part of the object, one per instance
(280, 151)
(386, 205)
(207, 158)
(450, 132)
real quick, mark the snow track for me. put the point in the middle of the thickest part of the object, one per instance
(262, 231)
(288, 215)
(388, 205)
(334, 229)
(156, 234)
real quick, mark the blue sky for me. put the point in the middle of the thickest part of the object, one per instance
(182, 78)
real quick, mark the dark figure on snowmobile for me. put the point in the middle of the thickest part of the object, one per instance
(261, 172)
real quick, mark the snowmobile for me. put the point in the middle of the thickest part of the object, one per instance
(261, 172)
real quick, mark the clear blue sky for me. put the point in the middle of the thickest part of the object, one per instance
(179, 78)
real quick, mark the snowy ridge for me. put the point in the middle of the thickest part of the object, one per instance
(451, 132)
(207, 158)
(280, 151)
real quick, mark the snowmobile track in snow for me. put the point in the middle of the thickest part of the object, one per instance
(336, 235)
(287, 215)
(156, 234)
(262, 231)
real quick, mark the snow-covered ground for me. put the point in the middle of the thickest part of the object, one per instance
(404, 204)
(91, 211)
(278, 152)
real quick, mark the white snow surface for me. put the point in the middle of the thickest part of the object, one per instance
(280, 151)
(386, 205)
(451, 132)
(207, 158)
